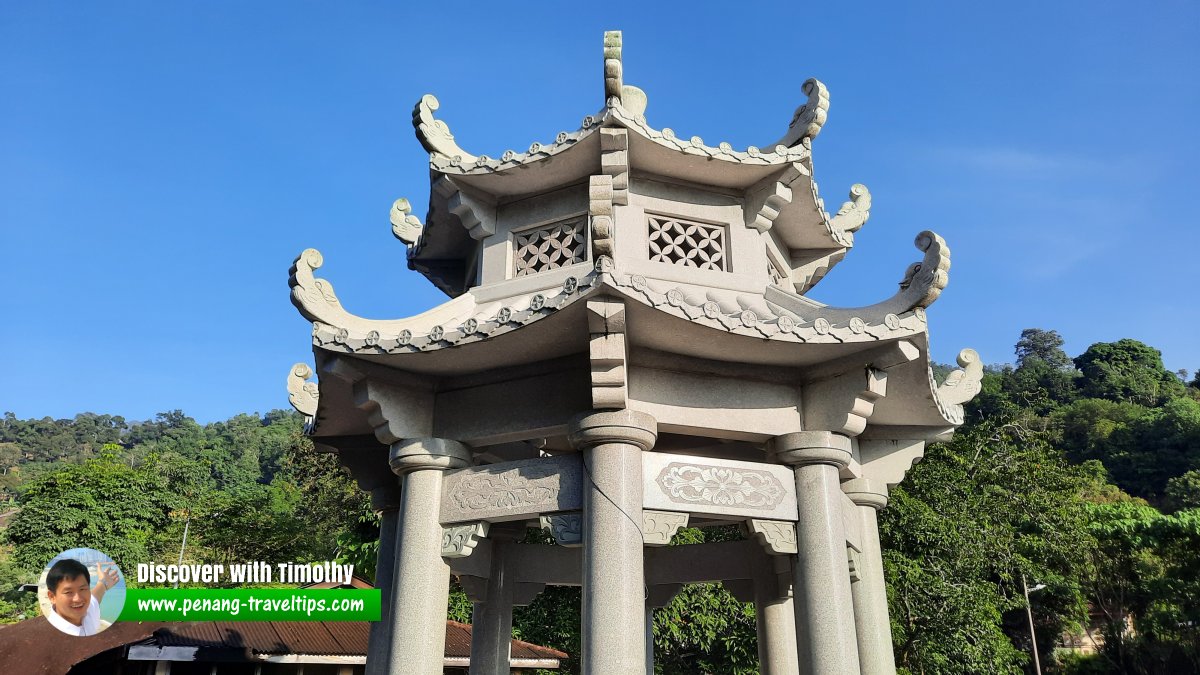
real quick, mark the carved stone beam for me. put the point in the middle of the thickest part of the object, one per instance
(922, 284)
(566, 528)
(459, 541)
(883, 357)
(765, 200)
(808, 118)
(476, 212)
(513, 491)
(777, 537)
(703, 485)
(658, 527)
(607, 351)
(696, 563)
(843, 404)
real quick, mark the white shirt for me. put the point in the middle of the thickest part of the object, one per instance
(91, 620)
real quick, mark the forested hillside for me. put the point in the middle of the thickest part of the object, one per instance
(1078, 478)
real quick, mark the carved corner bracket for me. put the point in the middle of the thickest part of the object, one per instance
(459, 541)
(777, 537)
(658, 527)
(566, 528)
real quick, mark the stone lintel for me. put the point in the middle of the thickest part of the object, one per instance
(661, 595)
(513, 490)
(696, 563)
(882, 357)
(722, 487)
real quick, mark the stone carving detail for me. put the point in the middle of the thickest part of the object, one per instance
(567, 528)
(527, 487)
(922, 284)
(688, 244)
(960, 386)
(459, 541)
(854, 213)
(550, 247)
(810, 117)
(658, 527)
(778, 537)
(405, 225)
(614, 161)
(600, 212)
(778, 276)
(434, 135)
(606, 350)
(767, 199)
(720, 486)
(301, 394)
(615, 89)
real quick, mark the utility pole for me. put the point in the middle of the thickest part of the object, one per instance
(1037, 664)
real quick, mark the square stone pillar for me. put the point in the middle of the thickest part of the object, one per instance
(869, 590)
(614, 608)
(825, 633)
(421, 584)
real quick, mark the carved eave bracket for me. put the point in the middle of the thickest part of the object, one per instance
(923, 282)
(566, 528)
(777, 537)
(476, 212)
(767, 199)
(607, 351)
(843, 402)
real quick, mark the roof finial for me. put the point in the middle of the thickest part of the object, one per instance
(616, 92)
(808, 118)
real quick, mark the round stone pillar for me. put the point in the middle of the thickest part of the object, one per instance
(421, 583)
(614, 607)
(825, 635)
(386, 502)
(869, 591)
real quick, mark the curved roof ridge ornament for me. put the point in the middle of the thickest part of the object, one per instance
(318, 303)
(808, 118)
(303, 395)
(434, 135)
(616, 92)
(960, 386)
(853, 214)
(922, 284)
(405, 226)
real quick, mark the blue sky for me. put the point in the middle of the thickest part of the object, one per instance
(161, 164)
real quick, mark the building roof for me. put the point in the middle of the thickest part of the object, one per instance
(34, 647)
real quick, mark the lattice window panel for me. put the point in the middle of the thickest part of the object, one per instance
(680, 242)
(550, 247)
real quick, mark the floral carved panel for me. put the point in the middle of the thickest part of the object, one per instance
(512, 490)
(723, 487)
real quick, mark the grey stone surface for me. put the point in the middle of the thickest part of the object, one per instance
(513, 490)
(613, 577)
(720, 487)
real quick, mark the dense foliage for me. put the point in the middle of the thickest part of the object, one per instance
(1078, 478)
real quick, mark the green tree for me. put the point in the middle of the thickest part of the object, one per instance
(1126, 370)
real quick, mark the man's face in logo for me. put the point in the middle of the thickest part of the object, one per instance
(71, 599)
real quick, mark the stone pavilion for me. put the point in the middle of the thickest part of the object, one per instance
(629, 348)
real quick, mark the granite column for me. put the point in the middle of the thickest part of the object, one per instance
(869, 591)
(614, 608)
